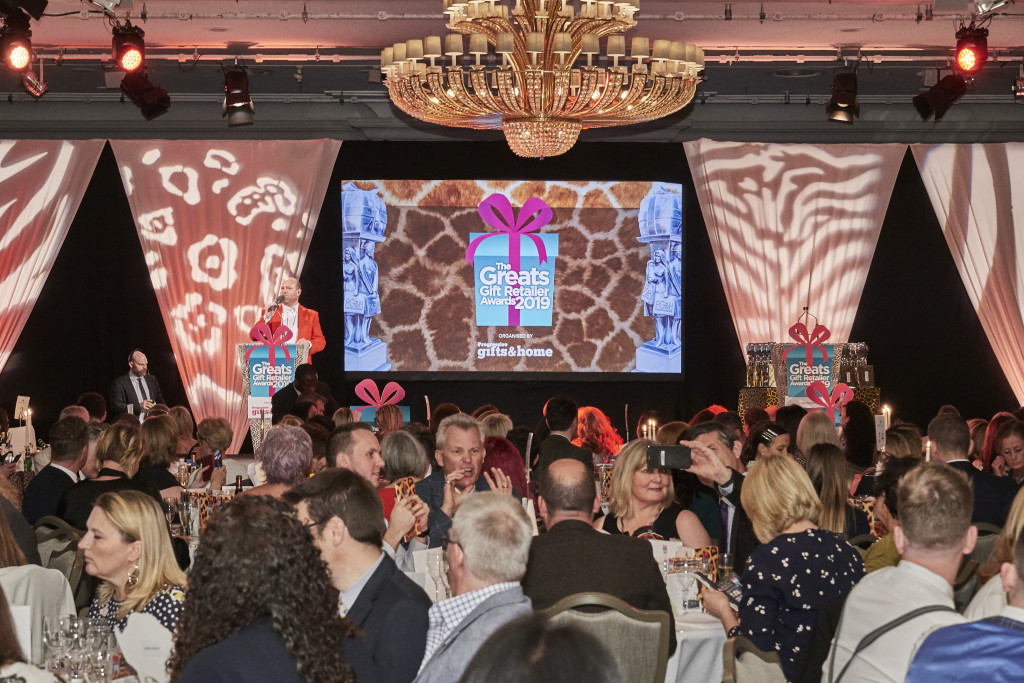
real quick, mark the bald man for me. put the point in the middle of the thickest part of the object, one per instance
(303, 322)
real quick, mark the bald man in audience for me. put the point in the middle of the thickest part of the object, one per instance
(346, 519)
(486, 554)
(573, 557)
(934, 534)
(74, 411)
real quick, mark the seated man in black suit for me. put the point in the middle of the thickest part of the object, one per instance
(345, 517)
(560, 415)
(951, 443)
(69, 447)
(573, 557)
(460, 453)
(306, 382)
(136, 392)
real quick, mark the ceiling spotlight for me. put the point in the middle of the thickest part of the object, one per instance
(971, 48)
(940, 97)
(34, 8)
(238, 105)
(1018, 86)
(129, 47)
(151, 99)
(842, 106)
(33, 83)
(16, 39)
(109, 5)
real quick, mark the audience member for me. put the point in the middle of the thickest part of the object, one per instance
(354, 447)
(531, 649)
(789, 417)
(486, 553)
(733, 422)
(186, 431)
(560, 414)
(883, 552)
(214, 440)
(460, 453)
(950, 443)
(75, 411)
(403, 459)
(343, 416)
(752, 416)
(798, 568)
(830, 476)
(90, 469)
(933, 535)
(306, 382)
(308, 405)
(118, 462)
(991, 598)
(318, 442)
(990, 449)
(991, 649)
(260, 605)
(344, 515)
(573, 557)
(500, 454)
(389, 419)
(1009, 461)
(127, 548)
(496, 424)
(422, 434)
(69, 448)
(594, 432)
(286, 458)
(671, 433)
(484, 410)
(858, 440)
(137, 391)
(815, 427)
(20, 531)
(763, 439)
(641, 502)
(154, 448)
(439, 414)
(13, 666)
(903, 440)
(978, 427)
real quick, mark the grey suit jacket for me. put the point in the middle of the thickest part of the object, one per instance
(450, 660)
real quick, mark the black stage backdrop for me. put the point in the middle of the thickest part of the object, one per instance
(925, 340)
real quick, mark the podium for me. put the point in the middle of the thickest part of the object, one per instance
(265, 368)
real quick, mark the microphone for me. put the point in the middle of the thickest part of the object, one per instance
(272, 307)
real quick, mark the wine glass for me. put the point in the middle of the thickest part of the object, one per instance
(53, 637)
(435, 568)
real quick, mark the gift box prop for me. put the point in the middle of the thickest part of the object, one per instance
(267, 366)
(661, 228)
(367, 391)
(363, 220)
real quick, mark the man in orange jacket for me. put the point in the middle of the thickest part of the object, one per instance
(303, 322)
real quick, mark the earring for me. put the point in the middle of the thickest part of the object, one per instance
(133, 575)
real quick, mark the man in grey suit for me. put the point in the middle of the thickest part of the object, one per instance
(486, 553)
(136, 392)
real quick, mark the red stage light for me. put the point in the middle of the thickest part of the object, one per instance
(131, 59)
(971, 49)
(18, 56)
(129, 47)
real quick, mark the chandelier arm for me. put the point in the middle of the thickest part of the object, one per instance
(507, 84)
(482, 91)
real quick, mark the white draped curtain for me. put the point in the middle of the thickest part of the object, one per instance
(222, 223)
(792, 226)
(41, 186)
(977, 192)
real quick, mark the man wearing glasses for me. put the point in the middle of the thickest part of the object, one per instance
(486, 553)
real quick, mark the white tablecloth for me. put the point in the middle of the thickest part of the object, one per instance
(698, 657)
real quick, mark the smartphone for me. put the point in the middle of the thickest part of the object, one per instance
(217, 460)
(730, 585)
(670, 457)
(10, 457)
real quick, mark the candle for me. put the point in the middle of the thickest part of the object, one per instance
(887, 414)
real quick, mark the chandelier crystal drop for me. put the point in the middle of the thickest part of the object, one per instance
(532, 71)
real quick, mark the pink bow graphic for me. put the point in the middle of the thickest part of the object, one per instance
(367, 391)
(841, 395)
(261, 334)
(810, 340)
(534, 215)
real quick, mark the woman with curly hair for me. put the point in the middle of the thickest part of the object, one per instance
(261, 606)
(596, 434)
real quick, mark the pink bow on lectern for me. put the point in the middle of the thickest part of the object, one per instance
(261, 334)
(810, 340)
(367, 391)
(841, 395)
(506, 221)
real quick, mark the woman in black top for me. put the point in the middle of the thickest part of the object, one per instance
(155, 447)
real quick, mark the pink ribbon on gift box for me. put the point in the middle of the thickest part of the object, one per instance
(515, 227)
(810, 340)
(261, 334)
(367, 391)
(841, 395)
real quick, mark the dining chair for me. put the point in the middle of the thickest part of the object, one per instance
(638, 640)
(862, 542)
(743, 662)
(58, 549)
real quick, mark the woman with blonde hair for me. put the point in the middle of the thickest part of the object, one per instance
(990, 600)
(118, 462)
(815, 427)
(797, 569)
(595, 433)
(642, 502)
(127, 548)
(496, 424)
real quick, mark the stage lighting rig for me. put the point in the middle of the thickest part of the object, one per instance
(150, 99)
(16, 41)
(128, 47)
(940, 97)
(842, 106)
(238, 105)
(971, 49)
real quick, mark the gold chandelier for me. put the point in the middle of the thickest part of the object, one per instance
(536, 92)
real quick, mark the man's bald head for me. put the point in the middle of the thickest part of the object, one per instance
(568, 486)
(290, 290)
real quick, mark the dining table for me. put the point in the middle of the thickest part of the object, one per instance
(700, 640)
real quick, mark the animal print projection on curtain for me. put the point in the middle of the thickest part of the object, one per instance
(222, 223)
(792, 226)
(977, 192)
(41, 185)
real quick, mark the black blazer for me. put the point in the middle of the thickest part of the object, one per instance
(392, 612)
(75, 504)
(43, 492)
(572, 557)
(742, 539)
(282, 402)
(122, 394)
(992, 495)
(557, 447)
